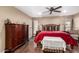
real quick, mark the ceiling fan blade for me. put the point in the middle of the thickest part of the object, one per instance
(58, 7)
(50, 12)
(57, 11)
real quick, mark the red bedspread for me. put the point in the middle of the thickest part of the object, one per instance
(65, 36)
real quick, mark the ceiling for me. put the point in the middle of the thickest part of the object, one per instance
(39, 11)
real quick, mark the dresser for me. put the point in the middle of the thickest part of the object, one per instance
(15, 36)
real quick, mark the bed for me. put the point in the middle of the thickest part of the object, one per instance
(65, 36)
(53, 38)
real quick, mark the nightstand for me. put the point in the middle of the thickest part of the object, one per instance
(75, 36)
(37, 32)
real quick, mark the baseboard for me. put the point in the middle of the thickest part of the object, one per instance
(14, 49)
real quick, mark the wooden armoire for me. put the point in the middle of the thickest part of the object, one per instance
(15, 36)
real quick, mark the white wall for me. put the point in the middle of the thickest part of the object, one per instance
(54, 20)
(51, 20)
(15, 16)
(76, 21)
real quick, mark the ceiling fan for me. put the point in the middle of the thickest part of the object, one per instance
(53, 9)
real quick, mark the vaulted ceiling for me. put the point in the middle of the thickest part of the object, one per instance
(40, 11)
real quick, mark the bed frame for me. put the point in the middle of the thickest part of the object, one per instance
(51, 27)
(47, 50)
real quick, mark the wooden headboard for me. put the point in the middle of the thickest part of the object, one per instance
(51, 27)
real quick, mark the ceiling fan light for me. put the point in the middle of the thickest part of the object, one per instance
(39, 13)
(64, 11)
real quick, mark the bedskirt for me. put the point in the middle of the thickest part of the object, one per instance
(56, 43)
(52, 44)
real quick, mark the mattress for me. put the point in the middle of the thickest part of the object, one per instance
(53, 43)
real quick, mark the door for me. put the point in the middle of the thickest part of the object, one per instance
(35, 27)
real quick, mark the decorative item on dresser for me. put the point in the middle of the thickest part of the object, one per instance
(16, 36)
